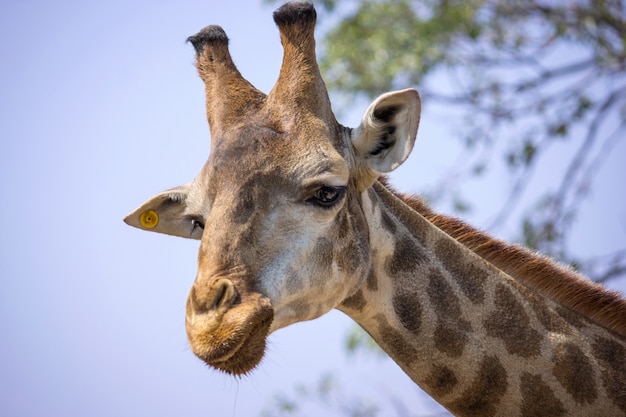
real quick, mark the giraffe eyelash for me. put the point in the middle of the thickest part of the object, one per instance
(196, 222)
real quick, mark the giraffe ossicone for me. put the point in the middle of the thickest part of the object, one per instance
(295, 220)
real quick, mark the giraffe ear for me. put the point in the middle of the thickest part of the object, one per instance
(386, 135)
(166, 213)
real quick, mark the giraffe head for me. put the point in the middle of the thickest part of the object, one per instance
(277, 206)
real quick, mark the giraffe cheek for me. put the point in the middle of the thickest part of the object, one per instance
(293, 312)
(309, 280)
(306, 294)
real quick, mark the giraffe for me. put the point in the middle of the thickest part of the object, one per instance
(295, 218)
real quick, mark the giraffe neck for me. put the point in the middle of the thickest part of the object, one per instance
(471, 336)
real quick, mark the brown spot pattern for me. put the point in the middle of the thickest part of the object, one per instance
(469, 278)
(350, 258)
(451, 332)
(243, 208)
(388, 223)
(293, 281)
(538, 399)
(450, 340)
(446, 303)
(612, 357)
(488, 388)
(569, 316)
(441, 380)
(395, 342)
(609, 351)
(372, 280)
(342, 223)
(249, 200)
(406, 257)
(573, 370)
(324, 251)
(547, 317)
(355, 302)
(408, 310)
(352, 253)
(510, 323)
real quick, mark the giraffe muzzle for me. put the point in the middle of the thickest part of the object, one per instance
(227, 328)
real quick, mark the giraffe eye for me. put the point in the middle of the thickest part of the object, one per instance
(196, 223)
(327, 196)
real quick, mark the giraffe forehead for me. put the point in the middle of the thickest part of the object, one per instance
(254, 156)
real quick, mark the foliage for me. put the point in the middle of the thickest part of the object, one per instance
(327, 395)
(524, 76)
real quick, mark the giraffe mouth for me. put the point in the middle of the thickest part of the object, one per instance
(237, 344)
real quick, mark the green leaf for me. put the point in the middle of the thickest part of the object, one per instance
(559, 129)
(584, 104)
(358, 339)
(528, 153)
(460, 206)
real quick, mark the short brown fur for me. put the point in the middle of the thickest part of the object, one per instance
(607, 308)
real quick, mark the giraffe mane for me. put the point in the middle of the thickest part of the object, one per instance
(540, 273)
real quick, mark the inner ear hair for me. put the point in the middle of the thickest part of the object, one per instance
(387, 113)
(383, 118)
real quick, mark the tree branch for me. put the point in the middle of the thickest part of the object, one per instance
(583, 151)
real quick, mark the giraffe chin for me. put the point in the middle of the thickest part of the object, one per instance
(237, 348)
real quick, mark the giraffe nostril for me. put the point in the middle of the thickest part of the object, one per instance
(224, 293)
(218, 298)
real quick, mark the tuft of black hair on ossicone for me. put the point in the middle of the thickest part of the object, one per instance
(295, 12)
(209, 35)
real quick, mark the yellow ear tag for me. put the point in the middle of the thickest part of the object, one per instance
(149, 219)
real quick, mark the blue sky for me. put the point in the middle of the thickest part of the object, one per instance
(100, 108)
